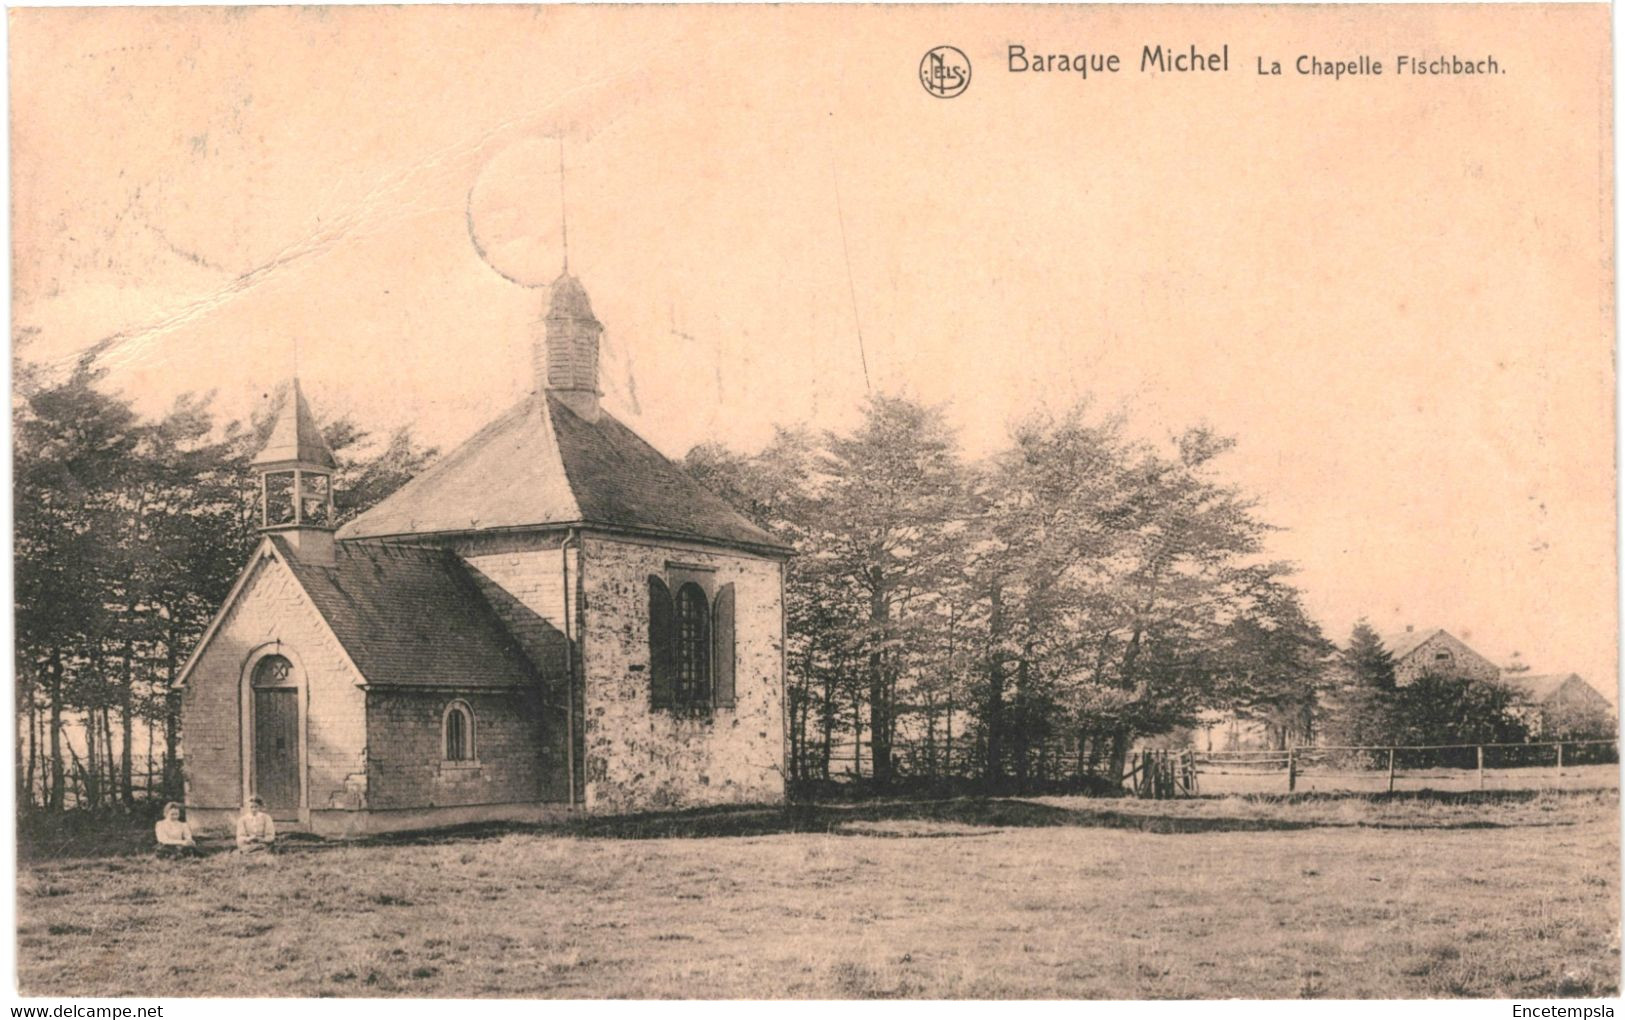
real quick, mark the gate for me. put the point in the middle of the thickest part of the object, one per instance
(1163, 775)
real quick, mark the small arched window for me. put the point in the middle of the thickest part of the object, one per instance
(692, 678)
(273, 671)
(458, 730)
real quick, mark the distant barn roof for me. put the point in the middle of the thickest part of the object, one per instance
(1405, 642)
(1537, 688)
(543, 465)
(410, 617)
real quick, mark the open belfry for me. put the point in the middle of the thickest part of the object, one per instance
(551, 618)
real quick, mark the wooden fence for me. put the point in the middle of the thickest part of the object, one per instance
(1186, 772)
(1429, 766)
(145, 785)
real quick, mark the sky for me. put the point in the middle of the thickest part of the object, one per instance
(1396, 292)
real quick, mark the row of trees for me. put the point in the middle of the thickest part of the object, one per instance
(1077, 589)
(128, 534)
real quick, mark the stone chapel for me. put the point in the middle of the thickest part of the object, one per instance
(551, 618)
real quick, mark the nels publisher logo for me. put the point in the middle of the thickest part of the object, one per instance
(945, 72)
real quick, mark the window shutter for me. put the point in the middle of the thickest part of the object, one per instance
(722, 634)
(660, 643)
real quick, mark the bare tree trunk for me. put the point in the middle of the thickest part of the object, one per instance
(93, 771)
(857, 735)
(1023, 728)
(112, 763)
(20, 777)
(82, 785)
(826, 719)
(127, 738)
(995, 688)
(44, 779)
(880, 731)
(172, 715)
(58, 779)
(33, 744)
(931, 735)
(1120, 742)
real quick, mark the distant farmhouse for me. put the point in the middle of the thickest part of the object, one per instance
(1546, 698)
(1417, 653)
(1542, 701)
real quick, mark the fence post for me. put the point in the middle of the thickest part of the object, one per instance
(1390, 770)
(1480, 766)
(1560, 760)
(1291, 769)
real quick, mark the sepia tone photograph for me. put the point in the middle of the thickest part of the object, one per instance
(828, 502)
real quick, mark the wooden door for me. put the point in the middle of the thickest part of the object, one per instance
(276, 750)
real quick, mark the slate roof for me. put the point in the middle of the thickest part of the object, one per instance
(411, 617)
(542, 465)
(294, 435)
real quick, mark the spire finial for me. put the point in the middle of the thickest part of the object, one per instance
(564, 206)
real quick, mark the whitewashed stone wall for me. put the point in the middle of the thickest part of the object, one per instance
(637, 758)
(273, 608)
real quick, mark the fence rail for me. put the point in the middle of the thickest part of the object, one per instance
(1573, 763)
(1183, 772)
(78, 786)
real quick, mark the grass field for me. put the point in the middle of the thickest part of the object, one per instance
(1497, 894)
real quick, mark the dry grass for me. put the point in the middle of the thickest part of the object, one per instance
(1468, 895)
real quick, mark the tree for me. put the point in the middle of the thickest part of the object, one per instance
(889, 497)
(1074, 586)
(1362, 710)
(1440, 709)
(1274, 661)
(1045, 513)
(1573, 720)
(1183, 561)
(72, 450)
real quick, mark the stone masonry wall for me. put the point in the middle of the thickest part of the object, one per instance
(637, 758)
(406, 761)
(1459, 661)
(273, 608)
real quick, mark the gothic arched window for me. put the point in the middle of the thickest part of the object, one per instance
(458, 727)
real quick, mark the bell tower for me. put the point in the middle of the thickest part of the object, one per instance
(566, 358)
(295, 469)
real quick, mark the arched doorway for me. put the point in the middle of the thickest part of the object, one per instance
(276, 736)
